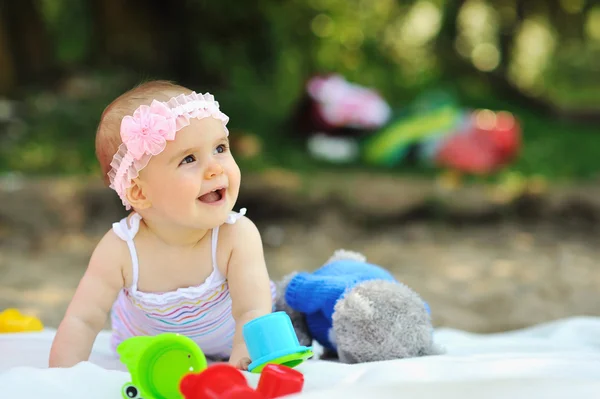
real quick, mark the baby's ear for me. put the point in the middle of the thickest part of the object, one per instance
(137, 196)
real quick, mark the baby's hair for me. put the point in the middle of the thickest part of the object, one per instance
(108, 136)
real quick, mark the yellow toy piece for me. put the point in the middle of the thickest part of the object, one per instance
(13, 321)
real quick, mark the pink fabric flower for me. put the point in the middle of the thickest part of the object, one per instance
(147, 131)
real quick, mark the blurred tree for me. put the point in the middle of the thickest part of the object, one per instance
(537, 54)
(265, 50)
(24, 44)
(7, 62)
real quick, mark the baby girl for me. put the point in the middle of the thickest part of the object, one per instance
(182, 261)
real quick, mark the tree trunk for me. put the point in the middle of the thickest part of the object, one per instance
(142, 34)
(7, 66)
(27, 43)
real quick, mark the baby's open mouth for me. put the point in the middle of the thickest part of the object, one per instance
(213, 196)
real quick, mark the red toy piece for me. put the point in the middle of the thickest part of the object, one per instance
(277, 380)
(222, 381)
(214, 382)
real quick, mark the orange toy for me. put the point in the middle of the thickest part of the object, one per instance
(13, 321)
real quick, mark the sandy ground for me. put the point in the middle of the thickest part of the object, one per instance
(480, 278)
(478, 273)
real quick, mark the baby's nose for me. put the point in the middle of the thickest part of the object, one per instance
(213, 169)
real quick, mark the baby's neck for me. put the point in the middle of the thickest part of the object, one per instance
(173, 235)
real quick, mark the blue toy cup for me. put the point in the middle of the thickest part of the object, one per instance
(272, 339)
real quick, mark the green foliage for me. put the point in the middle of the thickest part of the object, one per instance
(257, 56)
(69, 23)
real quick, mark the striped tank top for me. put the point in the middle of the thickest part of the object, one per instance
(202, 313)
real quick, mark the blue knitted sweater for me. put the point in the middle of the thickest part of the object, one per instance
(315, 294)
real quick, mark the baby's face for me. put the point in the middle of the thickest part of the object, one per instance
(195, 181)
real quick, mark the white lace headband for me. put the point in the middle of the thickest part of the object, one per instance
(145, 133)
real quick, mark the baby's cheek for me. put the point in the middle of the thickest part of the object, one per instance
(175, 192)
(233, 169)
(234, 182)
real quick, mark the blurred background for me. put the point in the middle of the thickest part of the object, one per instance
(454, 142)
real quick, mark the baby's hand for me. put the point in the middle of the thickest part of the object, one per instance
(239, 357)
(242, 364)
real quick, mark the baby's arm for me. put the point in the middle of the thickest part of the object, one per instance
(249, 284)
(88, 310)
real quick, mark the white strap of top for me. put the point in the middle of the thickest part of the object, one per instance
(231, 219)
(127, 233)
(214, 242)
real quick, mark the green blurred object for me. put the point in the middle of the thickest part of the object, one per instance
(432, 114)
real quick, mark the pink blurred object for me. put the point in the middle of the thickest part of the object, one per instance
(338, 103)
(492, 141)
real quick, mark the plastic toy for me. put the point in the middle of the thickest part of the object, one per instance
(489, 142)
(335, 106)
(157, 364)
(13, 321)
(226, 382)
(437, 131)
(217, 381)
(277, 380)
(392, 144)
(271, 339)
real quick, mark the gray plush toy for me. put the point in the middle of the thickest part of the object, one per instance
(357, 311)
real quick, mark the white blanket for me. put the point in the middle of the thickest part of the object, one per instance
(549, 361)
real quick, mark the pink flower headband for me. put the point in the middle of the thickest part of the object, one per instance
(146, 133)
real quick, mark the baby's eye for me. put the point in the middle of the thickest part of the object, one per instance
(188, 159)
(221, 148)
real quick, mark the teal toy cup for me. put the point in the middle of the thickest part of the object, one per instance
(271, 339)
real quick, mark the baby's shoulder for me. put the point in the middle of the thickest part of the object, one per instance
(111, 250)
(243, 229)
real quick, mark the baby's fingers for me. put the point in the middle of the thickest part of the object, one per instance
(243, 363)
